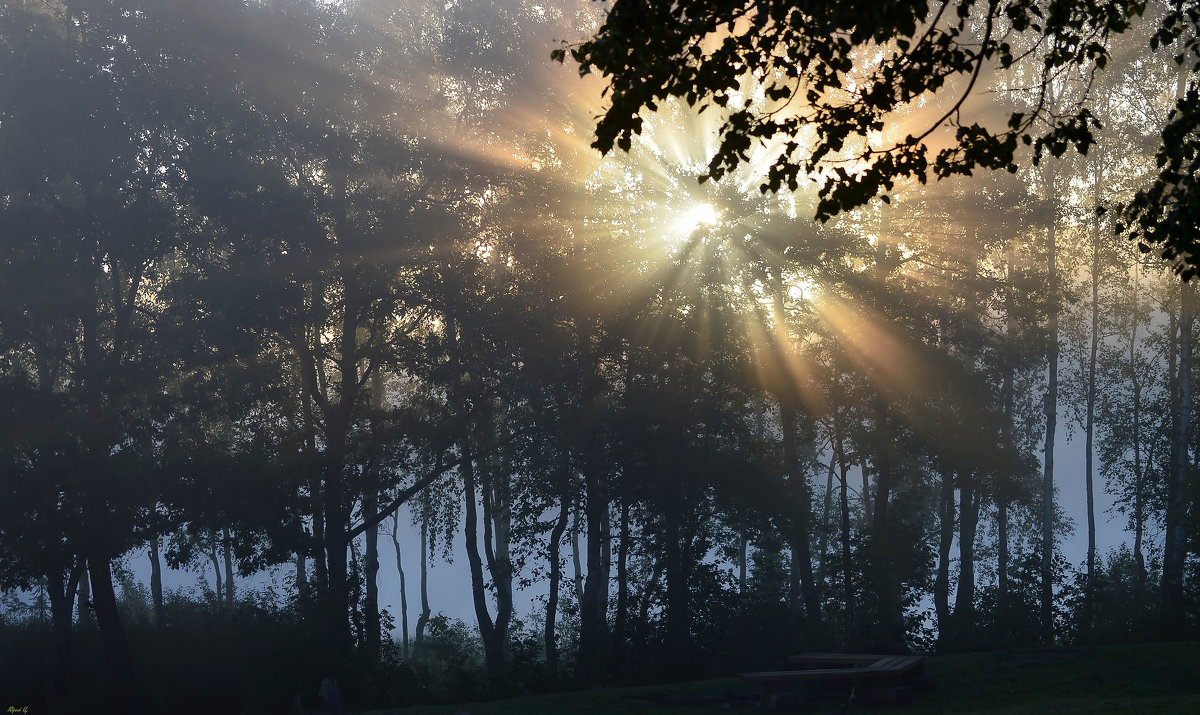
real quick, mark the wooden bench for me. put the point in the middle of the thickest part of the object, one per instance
(872, 678)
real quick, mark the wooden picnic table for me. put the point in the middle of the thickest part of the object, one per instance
(877, 678)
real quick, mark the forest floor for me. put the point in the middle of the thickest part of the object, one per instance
(1134, 678)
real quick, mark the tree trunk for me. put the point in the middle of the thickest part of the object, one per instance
(743, 544)
(891, 633)
(228, 547)
(370, 509)
(1002, 569)
(964, 601)
(606, 568)
(576, 558)
(85, 595)
(838, 443)
(39, 601)
(423, 619)
(497, 521)
(156, 588)
(316, 496)
(865, 494)
(354, 595)
(801, 526)
(493, 644)
(301, 577)
(339, 414)
(320, 564)
(1139, 508)
(336, 609)
(826, 516)
(404, 643)
(112, 634)
(371, 626)
(847, 580)
(621, 626)
(802, 519)
(1089, 429)
(941, 583)
(678, 636)
(62, 600)
(593, 610)
(555, 548)
(1175, 549)
(1003, 490)
(219, 590)
(337, 599)
(1051, 406)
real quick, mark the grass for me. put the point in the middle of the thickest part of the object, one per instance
(1134, 678)
(1142, 677)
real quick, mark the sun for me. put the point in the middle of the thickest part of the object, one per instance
(695, 217)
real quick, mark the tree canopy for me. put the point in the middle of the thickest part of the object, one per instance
(860, 97)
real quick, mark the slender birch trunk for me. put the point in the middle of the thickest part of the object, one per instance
(1051, 407)
(555, 548)
(404, 642)
(941, 582)
(423, 618)
(1089, 428)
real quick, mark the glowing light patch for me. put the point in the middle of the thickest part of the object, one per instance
(697, 216)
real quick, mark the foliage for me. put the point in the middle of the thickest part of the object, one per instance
(448, 664)
(804, 59)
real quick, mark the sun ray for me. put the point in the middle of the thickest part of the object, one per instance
(698, 263)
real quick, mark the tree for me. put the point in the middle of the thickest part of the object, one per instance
(92, 219)
(311, 183)
(836, 83)
(805, 58)
(1167, 212)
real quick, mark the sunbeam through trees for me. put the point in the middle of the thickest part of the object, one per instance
(661, 341)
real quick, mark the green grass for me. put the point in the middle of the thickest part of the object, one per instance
(1136, 678)
(599, 700)
(1143, 677)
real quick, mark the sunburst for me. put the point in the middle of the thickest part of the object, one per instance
(695, 217)
(650, 241)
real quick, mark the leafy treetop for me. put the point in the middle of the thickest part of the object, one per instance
(836, 73)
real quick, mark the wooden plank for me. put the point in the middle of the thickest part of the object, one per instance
(898, 663)
(890, 662)
(903, 664)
